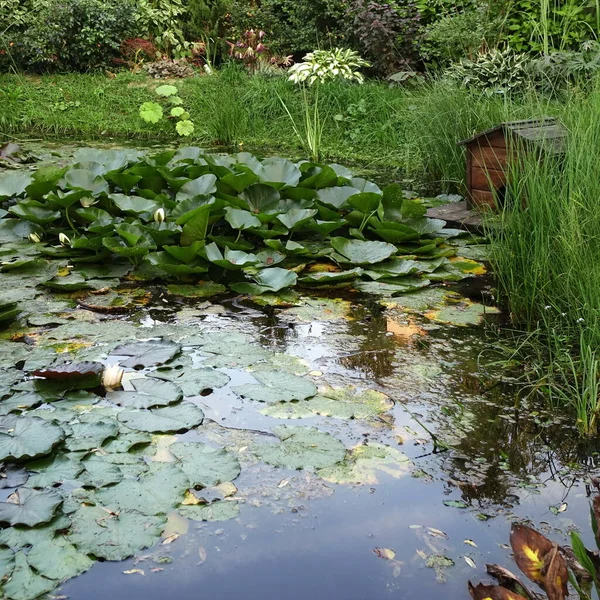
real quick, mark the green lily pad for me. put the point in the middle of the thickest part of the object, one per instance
(147, 354)
(361, 253)
(30, 507)
(194, 382)
(99, 472)
(26, 584)
(48, 472)
(217, 511)
(7, 563)
(341, 403)
(148, 393)
(302, 448)
(22, 438)
(13, 183)
(364, 462)
(275, 386)
(59, 560)
(463, 314)
(87, 436)
(20, 402)
(204, 465)
(267, 280)
(13, 477)
(169, 419)
(113, 536)
(202, 289)
(155, 492)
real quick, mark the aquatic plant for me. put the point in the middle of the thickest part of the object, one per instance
(259, 226)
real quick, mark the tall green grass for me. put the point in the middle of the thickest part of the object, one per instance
(546, 257)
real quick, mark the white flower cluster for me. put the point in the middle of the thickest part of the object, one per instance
(328, 65)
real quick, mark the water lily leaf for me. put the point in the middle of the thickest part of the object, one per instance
(48, 472)
(231, 260)
(267, 280)
(364, 185)
(341, 403)
(7, 563)
(302, 448)
(202, 289)
(34, 211)
(194, 382)
(336, 197)
(169, 419)
(20, 402)
(361, 253)
(87, 436)
(275, 386)
(71, 371)
(455, 504)
(205, 466)
(413, 209)
(59, 560)
(383, 288)
(12, 477)
(463, 314)
(22, 438)
(279, 172)
(84, 179)
(135, 205)
(99, 472)
(365, 202)
(113, 536)
(328, 277)
(262, 199)
(24, 583)
(147, 393)
(147, 354)
(204, 185)
(155, 492)
(30, 507)
(13, 183)
(151, 112)
(241, 219)
(296, 217)
(217, 511)
(364, 462)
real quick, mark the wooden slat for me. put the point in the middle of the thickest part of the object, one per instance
(496, 140)
(483, 200)
(487, 179)
(488, 157)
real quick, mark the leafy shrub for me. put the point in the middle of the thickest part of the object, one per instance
(496, 71)
(162, 19)
(137, 51)
(385, 33)
(329, 65)
(205, 18)
(77, 35)
(294, 26)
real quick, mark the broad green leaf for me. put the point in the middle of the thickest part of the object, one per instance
(166, 90)
(23, 438)
(147, 354)
(262, 199)
(365, 202)
(177, 111)
(30, 507)
(48, 472)
(274, 387)
(193, 382)
(279, 172)
(34, 211)
(362, 253)
(151, 112)
(14, 183)
(336, 196)
(205, 466)
(240, 219)
(147, 393)
(204, 185)
(134, 204)
(173, 418)
(302, 448)
(295, 218)
(267, 280)
(84, 179)
(217, 511)
(26, 584)
(113, 536)
(185, 127)
(59, 560)
(87, 436)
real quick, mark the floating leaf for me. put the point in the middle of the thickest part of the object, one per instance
(57, 559)
(147, 393)
(24, 583)
(362, 253)
(217, 511)
(13, 477)
(30, 507)
(275, 386)
(169, 419)
(147, 354)
(87, 436)
(456, 504)
(194, 382)
(22, 438)
(48, 472)
(492, 592)
(302, 448)
(204, 465)
(386, 553)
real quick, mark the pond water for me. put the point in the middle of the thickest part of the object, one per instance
(441, 453)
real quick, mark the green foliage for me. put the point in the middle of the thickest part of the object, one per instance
(205, 18)
(163, 19)
(76, 35)
(493, 72)
(153, 112)
(187, 213)
(328, 65)
(293, 26)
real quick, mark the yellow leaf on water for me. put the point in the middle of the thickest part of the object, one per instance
(134, 572)
(471, 543)
(470, 562)
(386, 553)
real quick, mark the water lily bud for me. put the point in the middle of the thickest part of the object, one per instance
(64, 240)
(112, 376)
(87, 202)
(159, 215)
(35, 238)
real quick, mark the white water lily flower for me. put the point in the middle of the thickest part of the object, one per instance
(35, 238)
(112, 376)
(87, 202)
(159, 215)
(64, 239)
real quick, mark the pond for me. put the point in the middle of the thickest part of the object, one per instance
(370, 451)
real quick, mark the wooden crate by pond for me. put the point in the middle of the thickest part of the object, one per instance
(490, 152)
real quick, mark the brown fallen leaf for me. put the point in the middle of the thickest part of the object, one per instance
(509, 580)
(170, 539)
(492, 592)
(530, 547)
(386, 553)
(556, 575)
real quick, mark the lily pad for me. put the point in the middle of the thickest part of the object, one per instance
(358, 252)
(26, 584)
(276, 386)
(22, 438)
(147, 354)
(21, 536)
(148, 393)
(463, 314)
(48, 472)
(302, 448)
(12, 477)
(217, 511)
(87, 436)
(30, 507)
(203, 289)
(57, 559)
(205, 466)
(100, 472)
(7, 563)
(113, 536)
(169, 419)
(194, 382)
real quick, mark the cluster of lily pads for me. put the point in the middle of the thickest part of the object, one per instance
(255, 225)
(95, 471)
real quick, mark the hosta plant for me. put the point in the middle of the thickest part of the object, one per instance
(170, 102)
(329, 65)
(254, 225)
